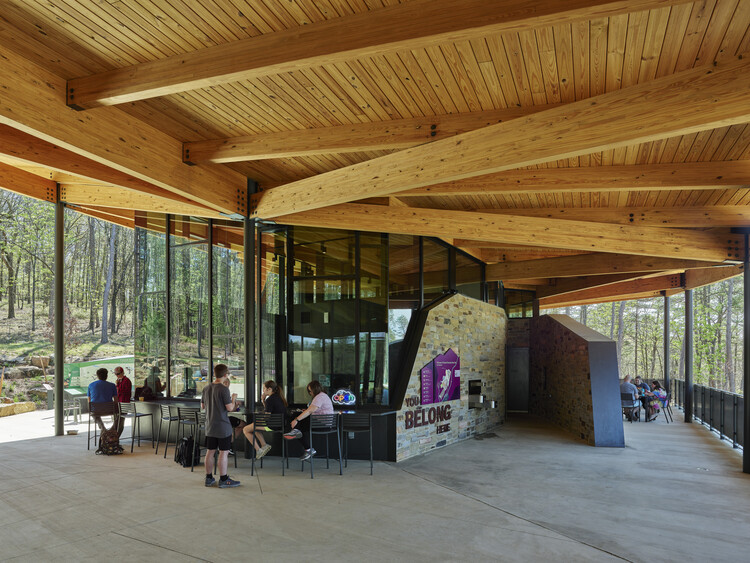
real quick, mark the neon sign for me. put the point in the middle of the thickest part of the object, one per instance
(343, 397)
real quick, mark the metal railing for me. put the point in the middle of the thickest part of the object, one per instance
(722, 412)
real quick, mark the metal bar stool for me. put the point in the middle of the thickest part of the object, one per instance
(325, 425)
(166, 414)
(353, 423)
(98, 410)
(275, 424)
(128, 410)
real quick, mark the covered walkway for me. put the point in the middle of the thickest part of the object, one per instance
(526, 492)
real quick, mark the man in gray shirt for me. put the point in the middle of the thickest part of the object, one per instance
(627, 388)
(217, 403)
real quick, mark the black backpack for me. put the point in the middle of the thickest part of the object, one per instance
(109, 442)
(184, 452)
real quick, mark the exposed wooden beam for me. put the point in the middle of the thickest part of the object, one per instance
(33, 102)
(24, 148)
(582, 300)
(715, 216)
(705, 276)
(572, 285)
(686, 102)
(21, 182)
(586, 264)
(646, 241)
(359, 137)
(417, 24)
(112, 196)
(643, 177)
(120, 217)
(612, 291)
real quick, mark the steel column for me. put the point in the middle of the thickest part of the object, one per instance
(746, 358)
(688, 399)
(210, 369)
(249, 266)
(667, 338)
(168, 302)
(59, 314)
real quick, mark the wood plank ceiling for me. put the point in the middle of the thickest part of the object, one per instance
(589, 150)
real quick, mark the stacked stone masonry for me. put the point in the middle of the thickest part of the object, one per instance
(477, 332)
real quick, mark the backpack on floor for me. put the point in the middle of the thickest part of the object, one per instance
(184, 452)
(109, 442)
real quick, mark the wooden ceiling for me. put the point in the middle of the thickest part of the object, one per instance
(589, 150)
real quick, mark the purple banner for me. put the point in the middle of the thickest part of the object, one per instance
(441, 379)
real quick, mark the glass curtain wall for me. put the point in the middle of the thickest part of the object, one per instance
(332, 305)
(189, 336)
(150, 345)
(228, 293)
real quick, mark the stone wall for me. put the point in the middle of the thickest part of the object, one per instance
(573, 380)
(477, 333)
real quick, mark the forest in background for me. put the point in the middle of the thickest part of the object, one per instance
(638, 328)
(99, 286)
(98, 283)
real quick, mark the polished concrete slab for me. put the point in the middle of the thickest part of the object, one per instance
(525, 492)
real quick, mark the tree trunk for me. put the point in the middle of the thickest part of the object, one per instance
(584, 314)
(115, 288)
(620, 333)
(33, 294)
(90, 281)
(728, 365)
(612, 321)
(635, 340)
(108, 284)
(12, 279)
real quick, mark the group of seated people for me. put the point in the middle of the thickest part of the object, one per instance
(274, 402)
(652, 397)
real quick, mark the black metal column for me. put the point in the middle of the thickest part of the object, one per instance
(746, 358)
(249, 266)
(168, 302)
(59, 315)
(667, 338)
(210, 300)
(688, 398)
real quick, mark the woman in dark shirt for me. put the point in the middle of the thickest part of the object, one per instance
(273, 403)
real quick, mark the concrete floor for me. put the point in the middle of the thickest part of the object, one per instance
(527, 493)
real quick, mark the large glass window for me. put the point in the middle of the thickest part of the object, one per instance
(373, 320)
(469, 276)
(150, 346)
(436, 270)
(188, 247)
(228, 302)
(272, 335)
(322, 328)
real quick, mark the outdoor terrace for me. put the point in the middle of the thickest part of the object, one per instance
(526, 492)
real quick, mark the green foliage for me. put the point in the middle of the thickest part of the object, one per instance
(641, 340)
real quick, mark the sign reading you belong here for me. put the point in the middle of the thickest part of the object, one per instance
(441, 382)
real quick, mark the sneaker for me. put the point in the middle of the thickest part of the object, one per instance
(229, 483)
(308, 454)
(293, 434)
(210, 481)
(262, 451)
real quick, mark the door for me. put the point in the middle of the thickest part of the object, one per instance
(518, 379)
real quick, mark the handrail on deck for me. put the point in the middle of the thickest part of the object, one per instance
(720, 411)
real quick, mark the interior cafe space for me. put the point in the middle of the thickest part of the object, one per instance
(404, 327)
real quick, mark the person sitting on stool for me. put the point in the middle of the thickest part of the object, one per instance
(320, 404)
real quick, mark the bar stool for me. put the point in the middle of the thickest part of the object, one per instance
(166, 414)
(353, 423)
(325, 425)
(108, 408)
(129, 410)
(275, 424)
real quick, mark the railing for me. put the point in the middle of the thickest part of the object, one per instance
(722, 412)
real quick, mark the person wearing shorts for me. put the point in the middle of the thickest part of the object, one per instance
(218, 403)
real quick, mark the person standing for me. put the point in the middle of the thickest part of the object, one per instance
(101, 391)
(124, 386)
(124, 392)
(218, 403)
